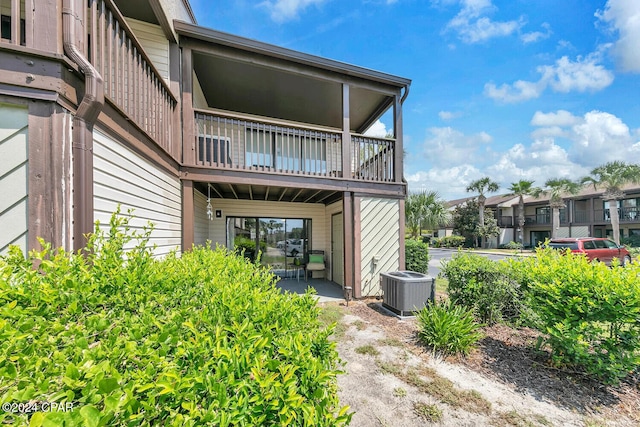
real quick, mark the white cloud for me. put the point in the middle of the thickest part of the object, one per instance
(595, 138)
(624, 17)
(378, 130)
(449, 115)
(563, 145)
(583, 74)
(472, 26)
(559, 118)
(285, 10)
(535, 36)
(452, 147)
(518, 91)
(450, 183)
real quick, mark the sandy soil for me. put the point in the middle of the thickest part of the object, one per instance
(392, 380)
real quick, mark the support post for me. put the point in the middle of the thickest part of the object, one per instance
(187, 215)
(346, 133)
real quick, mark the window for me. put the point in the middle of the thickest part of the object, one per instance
(213, 149)
(589, 244)
(5, 29)
(600, 244)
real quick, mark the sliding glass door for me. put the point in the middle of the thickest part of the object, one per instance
(281, 243)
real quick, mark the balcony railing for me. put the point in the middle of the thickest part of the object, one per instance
(505, 221)
(581, 217)
(372, 158)
(131, 81)
(230, 142)
(234, 143)
(624, 215)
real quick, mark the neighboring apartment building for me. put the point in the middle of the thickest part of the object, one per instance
(585, 215)
(208, 135)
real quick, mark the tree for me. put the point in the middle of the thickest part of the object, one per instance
(612, 177)
(425, 210)
(523, 188)
(465, 223)
(481, 186)
(556, 188)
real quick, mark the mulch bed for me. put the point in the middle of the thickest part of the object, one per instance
(509, 355)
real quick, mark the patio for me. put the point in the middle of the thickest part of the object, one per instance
(325, 289)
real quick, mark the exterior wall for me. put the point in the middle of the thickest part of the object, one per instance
(14, 167)
(200, 221)
(330, 210)
(154, 42)
(123, 177)
(506, 236)
(380, 236)
(199, 101)
(175, 9)
(580, 231)
(264, 209)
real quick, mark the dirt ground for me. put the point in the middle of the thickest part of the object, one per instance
(392, 380)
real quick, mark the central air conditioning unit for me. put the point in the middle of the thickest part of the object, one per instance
(405, 292)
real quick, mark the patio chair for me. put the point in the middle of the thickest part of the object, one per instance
(314, 262)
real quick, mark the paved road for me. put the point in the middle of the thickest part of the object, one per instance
(438, 255)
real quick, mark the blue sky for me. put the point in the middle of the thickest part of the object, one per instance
(511, 89)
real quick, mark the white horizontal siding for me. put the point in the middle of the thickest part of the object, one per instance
(262, 209)
(380, 236)
(154, 43)
(14, 177)
(201, 221)
(123, 177)
(199, 100)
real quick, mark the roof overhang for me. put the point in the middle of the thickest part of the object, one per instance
(248, 76)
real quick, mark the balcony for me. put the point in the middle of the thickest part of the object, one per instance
(131, 81)
(581, 217)
(625, 215)
(225, 141)
(505, 221)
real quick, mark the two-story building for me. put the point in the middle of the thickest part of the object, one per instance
(584, 215)
(210, 136)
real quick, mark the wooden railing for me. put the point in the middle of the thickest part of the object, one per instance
(372, 159)
(131, 81)
(230, 142)
(630, 214)
(236, 143)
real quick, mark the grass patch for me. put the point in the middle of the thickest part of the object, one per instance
(330, 314)
(367, 349)
(439, 387)
(391, 342)
(360, 325)
(428, 412)
(399, 392)
(511, 418)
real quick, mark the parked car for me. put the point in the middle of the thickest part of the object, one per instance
(594, 248)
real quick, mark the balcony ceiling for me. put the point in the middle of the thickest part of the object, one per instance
(140, 10)
(268, 193)
(247, 76)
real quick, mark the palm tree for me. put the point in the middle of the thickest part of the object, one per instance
(481, 186)
(523, 188)
(612, 177)
(556, 188)
(425, 210)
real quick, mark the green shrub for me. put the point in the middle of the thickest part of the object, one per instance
(448, 242)
(513, 245)
(416, 256)
(589, 312)
(203, 338)
(632, 241)
(447, 328)
(490, 289)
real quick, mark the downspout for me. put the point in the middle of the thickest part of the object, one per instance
(82, 135)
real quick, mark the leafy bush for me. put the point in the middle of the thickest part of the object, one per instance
(416, 256)
(589, 312)
(632, 241)
(447, 328)
(490, 289)
(198, 339)
(247, 247)
(448, 241)
(512, 245)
